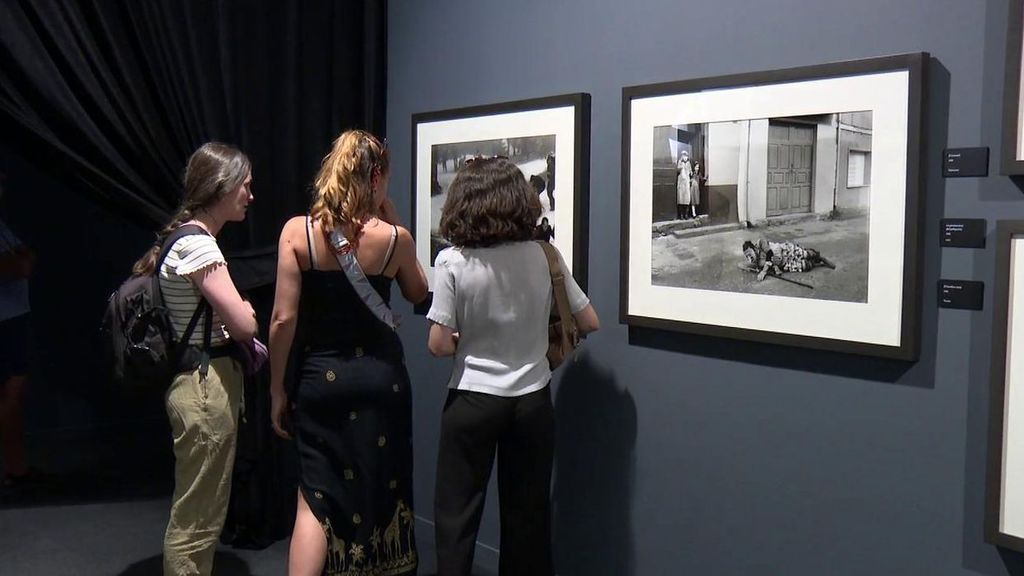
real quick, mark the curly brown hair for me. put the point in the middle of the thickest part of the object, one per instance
(489, 203)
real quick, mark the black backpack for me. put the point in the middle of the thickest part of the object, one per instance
(143, 351)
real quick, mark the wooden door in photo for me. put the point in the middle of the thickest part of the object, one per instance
(790, 168)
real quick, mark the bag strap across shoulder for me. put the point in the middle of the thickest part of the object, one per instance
(558, 285)
(165, 249)
(347, 260)
(178, 233)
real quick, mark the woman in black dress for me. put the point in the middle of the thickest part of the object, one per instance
(350, 408)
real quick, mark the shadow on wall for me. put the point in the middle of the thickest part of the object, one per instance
(594, 468)
(871, 368)
(1012, 561)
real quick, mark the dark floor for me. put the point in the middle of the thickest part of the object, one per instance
(99, 513)
(124, 539)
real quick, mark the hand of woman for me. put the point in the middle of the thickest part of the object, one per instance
(279, 413)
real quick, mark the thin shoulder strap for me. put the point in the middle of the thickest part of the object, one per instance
(310, 242)
(391, 249)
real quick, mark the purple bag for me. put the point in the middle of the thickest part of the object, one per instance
(252, 355)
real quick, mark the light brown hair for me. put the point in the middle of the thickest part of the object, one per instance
(344, 185)
(213, 171)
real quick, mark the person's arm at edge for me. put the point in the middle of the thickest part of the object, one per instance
(442, 340)
(216, 286)
(284, 319)
(412, 280)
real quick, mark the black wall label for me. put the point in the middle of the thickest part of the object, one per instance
(957, 162)
(962, 294)
(962, 232)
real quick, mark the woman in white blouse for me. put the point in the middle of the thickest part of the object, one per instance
(492, 299)
(203, 400)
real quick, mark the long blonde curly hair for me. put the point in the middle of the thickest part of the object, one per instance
(344, 184)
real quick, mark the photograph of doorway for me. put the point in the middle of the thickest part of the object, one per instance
(795, 184)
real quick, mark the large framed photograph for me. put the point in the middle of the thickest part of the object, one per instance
(777, 206)
(548, 138)
(1013, 112)
(1004, 514)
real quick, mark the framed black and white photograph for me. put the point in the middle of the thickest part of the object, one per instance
(777, 206)
(548, 138)
(1004, 514)
(1013, 112)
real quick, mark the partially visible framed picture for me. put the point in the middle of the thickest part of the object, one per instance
(1012, 163)
(1004, 514)
(778, 206)
(548, 138)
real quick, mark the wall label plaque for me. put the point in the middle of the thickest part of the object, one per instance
(963, 162)
(961, 294)
(962, 232)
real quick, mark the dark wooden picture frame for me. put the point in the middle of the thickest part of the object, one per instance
(564, 121)
(1012, 157)
(1000, 419)
(689, 103)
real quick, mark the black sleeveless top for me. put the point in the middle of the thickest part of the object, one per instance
(333, 317)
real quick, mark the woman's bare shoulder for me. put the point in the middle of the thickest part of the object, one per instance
(294, 225)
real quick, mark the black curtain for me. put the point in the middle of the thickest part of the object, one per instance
(106, 100)
(118, 93)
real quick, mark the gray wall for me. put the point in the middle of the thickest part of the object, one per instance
(685, 455)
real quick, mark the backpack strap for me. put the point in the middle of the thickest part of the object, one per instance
(187, 335)
(203, 307)
(204, 362)
(178, 233)
(165, 249)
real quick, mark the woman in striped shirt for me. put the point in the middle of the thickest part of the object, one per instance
(203, 408)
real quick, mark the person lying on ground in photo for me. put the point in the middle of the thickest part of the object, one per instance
(777, 257)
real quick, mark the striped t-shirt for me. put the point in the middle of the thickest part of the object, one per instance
(181, 296)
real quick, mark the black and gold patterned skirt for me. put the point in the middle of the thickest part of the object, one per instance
(353, 424)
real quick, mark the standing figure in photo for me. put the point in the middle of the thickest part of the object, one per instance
(774, 258)
(17, 262)
(350, 409)
(545, 231)
(204, 397)
(435, 184)
(551, 181)
(695, 190)
(684, 190)
(538, 184)
(499, 398)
